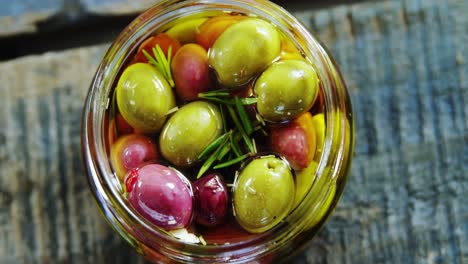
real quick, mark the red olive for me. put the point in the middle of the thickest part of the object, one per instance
(130, 151)
(296, 141)
(191, 72)
(211, 200)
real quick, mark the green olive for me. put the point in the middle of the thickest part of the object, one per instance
(286, 90)
(144, 97)
(263, 193)
(244, 50)
(189, 131)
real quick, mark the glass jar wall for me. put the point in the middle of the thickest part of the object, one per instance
(320, 183)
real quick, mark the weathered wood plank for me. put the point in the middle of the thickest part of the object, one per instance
(406, 71)
(116, 7)
(27, 16)
(23, 16)
(405, 63)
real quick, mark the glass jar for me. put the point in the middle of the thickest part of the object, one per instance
(326, 183)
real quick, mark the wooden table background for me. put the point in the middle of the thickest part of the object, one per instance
(406, 66)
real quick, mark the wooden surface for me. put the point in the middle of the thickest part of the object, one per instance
(406, 65)
(27, 16)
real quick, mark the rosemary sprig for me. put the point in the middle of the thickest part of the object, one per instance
(161, 62)
(236, 144)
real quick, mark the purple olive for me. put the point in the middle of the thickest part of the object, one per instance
(211, 200)
(161, 195)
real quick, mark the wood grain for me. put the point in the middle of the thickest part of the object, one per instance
(405, 63)
(406, 198)
(36, 16)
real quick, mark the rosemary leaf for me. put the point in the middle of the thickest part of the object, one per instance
(239, 127)
(234, 117)
(249, 100)
(248, 142)
(216, 99)
(254, 145)
(213, 145)
(260, 119)
(216, 93)
(168, 68)
(231, 162)
(165, 64)
(223, 118)
(207, 164)
(169, 57)
(231, 155)
(158, 60)
(161, 62)
(243, 116)
(150, 58)
(260, 128)
(172, 110)
(235, 146)
(225, 150)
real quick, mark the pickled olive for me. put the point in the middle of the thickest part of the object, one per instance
(286, 89)
(144, 97)
(296, 141)
(130, 151)
(243, 51)
(161, 195)
(319, 125)
(289, 50)
(118, 126)
(304, 180)
(163, 40)
(211, 200)
(190, 71)
(262, 193)
(187, 133)
(213, 27)
(123, 127)
(318, 187)
(185, 31)
(330, 199)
